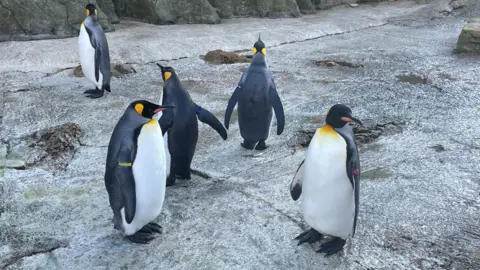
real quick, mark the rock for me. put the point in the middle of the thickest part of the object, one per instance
(43, 19)
(469, 39)
(458, 3)
(109, 9)
(222, 57)
(256, 8)
(306, 6)
(116, 70)
(168, 11)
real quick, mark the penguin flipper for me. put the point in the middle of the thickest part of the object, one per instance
(277, 107)
(166, 121)
(208, 118)
(296, 185)
(231, 104)
(98, 59)
(124, 175)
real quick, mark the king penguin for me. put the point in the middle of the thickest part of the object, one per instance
(135, 172)
(329, 181)
(181, 125)
(256, 94)
(94, 53)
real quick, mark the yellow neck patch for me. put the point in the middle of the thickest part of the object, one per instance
(139, 108)
(167, 75)
(254, 50)
(152, 122)
(96, 11)
(88, 12)
(327, 130)
(264, 51)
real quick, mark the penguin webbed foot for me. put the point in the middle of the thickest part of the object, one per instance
(146, 234)
(261, 145)
(247, 145)
(151, 228)
(171, 180)
(94, 93)
(332, 247)
(309, 236)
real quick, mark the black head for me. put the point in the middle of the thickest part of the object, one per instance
(167, 72)
(339, 115)
(91, 9)
(259, 47)
(148, 109)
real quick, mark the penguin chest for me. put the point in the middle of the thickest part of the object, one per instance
(149, 171)
(328, 197)
(87, 57)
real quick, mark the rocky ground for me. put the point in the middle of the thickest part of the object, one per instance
(420, 151)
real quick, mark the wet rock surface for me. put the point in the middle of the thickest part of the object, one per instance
(419, 206)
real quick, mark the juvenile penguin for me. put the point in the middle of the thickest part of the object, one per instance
(94, 53)
(135, 172)
(181, 125)
(329, 180)
(256, 94)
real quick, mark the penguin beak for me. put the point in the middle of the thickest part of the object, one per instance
(351, 118)
(163, 107)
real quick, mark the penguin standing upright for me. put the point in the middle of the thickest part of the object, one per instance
(256, 94)
(135, 172)
(329, 181)
(181, 125)
(94, 53)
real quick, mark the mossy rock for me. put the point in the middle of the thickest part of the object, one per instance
(469, 39)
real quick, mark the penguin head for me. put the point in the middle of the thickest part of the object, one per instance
(91, 9)
(167, 72)
(339, 115)
(259, 47)
(148, 109)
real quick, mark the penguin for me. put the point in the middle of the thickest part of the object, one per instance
(329, 180)
(256, 94)
(181, 125)
(135, 172)
(94, 53)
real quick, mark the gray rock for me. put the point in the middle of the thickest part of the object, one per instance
(168, 11)
(469, 39)
(256, 8)
(108, 8)
(326, 4)
(43, 19)
(306, 6)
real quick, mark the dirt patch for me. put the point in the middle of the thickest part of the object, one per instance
(222, 57)
(116, 70)
(363, 134)
(335, 63)
(50, 148)
(412, 79)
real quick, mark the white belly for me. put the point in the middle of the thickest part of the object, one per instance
(87, 58)
(327, 195)
(150, 178)
(165, 141)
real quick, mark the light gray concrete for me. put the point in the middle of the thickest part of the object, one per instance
(419, 211)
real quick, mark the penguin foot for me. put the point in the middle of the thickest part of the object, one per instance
(261, 146)
(94, 93)
(310, 236)
(141, 237)
(151, 228)
(332, 246)
(247, 145)
(171, 180)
